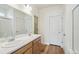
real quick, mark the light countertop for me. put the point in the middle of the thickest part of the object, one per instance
(21, 42)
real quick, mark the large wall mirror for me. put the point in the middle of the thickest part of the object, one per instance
(75, 29)
(13, 22)
(23, 23)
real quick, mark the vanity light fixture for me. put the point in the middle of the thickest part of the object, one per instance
(28, 7)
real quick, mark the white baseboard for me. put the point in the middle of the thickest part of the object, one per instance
(53, 43)
(68, 51)
(76, 51)
(46, 43)
(71, 51)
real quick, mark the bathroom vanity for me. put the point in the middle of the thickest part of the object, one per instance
(33, 47)
(23, 45)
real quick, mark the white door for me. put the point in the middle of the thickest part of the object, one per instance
(56, 30)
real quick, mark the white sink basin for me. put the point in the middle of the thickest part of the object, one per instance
(18, 40)
(11, 44)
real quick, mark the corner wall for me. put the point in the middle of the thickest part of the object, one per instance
(68, 28)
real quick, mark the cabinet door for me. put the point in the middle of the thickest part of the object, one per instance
(36, 49)
(36, 46)
(29, 51)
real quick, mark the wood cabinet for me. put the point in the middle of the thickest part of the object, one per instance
(28, 51)
(24, 49)
(34, 47)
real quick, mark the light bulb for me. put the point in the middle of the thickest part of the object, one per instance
(30, 8)
(27, 6)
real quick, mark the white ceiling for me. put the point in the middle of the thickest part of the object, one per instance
(40, 6)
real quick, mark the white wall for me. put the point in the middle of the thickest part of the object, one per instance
(68, 28)
(43, 19)
(35, 11)
(67, 13)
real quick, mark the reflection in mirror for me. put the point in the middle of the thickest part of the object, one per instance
(28, 24)
(20, 22)
(6, 11)
(35, 25)
(23, 23)
(13, 22)
(6, 23)
(5, 29)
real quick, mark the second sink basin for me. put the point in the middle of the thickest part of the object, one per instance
(18, 40)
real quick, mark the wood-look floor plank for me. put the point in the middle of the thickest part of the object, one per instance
(54, 49)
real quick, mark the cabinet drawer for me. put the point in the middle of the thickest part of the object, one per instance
(23, 49)
(29, 51)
